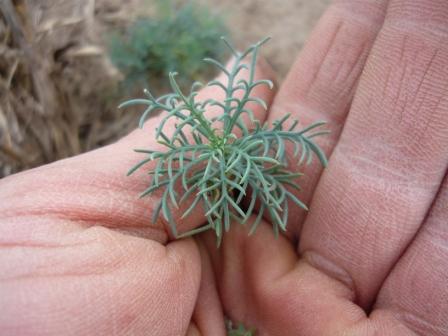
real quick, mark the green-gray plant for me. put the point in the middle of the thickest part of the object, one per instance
(217, 163)
(177, 38)
(238, 331)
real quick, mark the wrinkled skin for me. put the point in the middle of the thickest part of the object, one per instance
(370, 258)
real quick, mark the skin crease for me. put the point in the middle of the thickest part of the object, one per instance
(370, 258)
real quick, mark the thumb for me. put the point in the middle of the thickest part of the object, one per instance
(59, 278)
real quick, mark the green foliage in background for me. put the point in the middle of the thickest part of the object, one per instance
(176, 40)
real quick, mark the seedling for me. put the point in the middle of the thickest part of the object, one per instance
(238, 331)
(220, 165)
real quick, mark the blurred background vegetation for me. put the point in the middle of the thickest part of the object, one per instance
(65, 65)
(177, 39)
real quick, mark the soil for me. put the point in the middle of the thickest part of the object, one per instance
(57, 94)
(288, 22)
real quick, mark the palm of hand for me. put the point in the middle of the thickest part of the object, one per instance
(79, 257)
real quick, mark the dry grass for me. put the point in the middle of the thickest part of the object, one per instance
(48, 110)
(58, 91)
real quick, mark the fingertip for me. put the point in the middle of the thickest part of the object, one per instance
(183, 255)
(208, 315)
(266, 256)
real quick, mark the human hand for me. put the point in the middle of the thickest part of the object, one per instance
(79, 256)
(371, 256)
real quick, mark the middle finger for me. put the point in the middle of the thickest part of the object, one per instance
(322, 82)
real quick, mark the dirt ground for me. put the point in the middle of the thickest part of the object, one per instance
(55, 75)
(288, 22)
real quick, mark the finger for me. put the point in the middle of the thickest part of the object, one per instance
(208, 315)
(392, 155)
(193, 330)
(93, 188)
(271, 290)
(322, 82)
(95, 281)
(415, 294)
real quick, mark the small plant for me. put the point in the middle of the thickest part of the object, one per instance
(240, 331)
(217, 162)
(176, 40)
